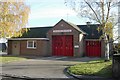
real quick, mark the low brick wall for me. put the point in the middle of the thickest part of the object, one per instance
(116, 65)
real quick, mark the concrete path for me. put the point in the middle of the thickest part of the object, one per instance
(42, 67)
(2, 53)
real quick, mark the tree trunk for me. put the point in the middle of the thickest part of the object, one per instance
(107, 52)
(106, 48)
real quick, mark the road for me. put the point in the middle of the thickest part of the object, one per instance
(42, 67)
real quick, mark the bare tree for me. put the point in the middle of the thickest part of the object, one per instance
(103, 12)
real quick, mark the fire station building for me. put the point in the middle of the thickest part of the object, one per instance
(62, 39)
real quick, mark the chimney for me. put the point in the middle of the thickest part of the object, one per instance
(88, 23)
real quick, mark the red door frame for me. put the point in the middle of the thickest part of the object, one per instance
(62, 45)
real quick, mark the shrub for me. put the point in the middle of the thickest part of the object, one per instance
(119, 47)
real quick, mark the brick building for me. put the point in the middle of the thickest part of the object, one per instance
(63, 39)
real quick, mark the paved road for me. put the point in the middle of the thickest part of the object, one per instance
(44, 67)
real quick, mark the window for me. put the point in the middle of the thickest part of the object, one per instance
(31, 44)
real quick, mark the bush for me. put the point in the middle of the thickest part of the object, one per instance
(116, 48)
(119, 47)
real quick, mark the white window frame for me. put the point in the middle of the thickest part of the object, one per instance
(33, 47)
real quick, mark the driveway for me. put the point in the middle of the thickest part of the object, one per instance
(42, 67)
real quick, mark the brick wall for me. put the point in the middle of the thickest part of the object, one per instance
(64, 26)
(42, 48)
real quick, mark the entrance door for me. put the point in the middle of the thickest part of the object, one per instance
(15, 47)
(93, 48)
(62, 45)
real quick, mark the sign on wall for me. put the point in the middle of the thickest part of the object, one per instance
(76, 46)
(68, 30)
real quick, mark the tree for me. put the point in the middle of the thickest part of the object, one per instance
(99, 11)
(13, 17)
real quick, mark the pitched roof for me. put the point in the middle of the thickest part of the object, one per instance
(91, 30)
(37, 32)
(75, 27)
(40, 32)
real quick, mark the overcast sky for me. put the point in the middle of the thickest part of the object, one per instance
(49, 12)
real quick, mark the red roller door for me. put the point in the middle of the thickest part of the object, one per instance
(62, 45)
(93, 48)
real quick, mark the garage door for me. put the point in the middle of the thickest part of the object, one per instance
(93, 48)
(62, 45)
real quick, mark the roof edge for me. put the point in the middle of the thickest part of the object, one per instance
(28, 38)
(69, 23)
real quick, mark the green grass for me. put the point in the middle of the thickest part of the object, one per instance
(5, 59)
(95, 68)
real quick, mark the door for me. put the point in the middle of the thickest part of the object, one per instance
(93, 48)
(62, 45)
(15, 47)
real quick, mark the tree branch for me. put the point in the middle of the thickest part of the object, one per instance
(93, 11)
(114, 39)
(109, 3)
(102, 8)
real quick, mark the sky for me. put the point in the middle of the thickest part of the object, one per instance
(49, 12)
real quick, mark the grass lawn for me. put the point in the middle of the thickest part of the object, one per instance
(95, 68)
(5, 59)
